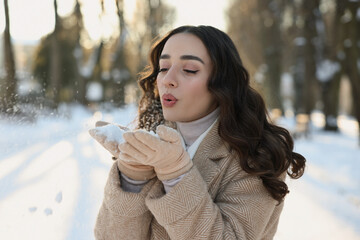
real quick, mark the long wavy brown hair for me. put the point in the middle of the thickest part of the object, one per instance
(263, 149)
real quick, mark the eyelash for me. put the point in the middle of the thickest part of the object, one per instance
(163, 70)
(185, 70)
(191, 71)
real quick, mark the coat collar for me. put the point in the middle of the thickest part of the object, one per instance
(212, 147)
(210, 151)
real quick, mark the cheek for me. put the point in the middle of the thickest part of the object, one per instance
(158, 85)
(200, 96)
(157, 82)
(199, 88)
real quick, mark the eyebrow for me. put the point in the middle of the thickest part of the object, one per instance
(183, 57)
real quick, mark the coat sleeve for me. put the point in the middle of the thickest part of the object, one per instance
(123, 215)
(242, 209)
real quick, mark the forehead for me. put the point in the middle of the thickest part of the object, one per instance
(185, 44)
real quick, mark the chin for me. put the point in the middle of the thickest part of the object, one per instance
(171, 118)
(176, 115)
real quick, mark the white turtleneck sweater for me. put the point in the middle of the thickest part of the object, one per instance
(192, 135)
(191, 131)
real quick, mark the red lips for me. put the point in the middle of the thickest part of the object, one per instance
(168, 100)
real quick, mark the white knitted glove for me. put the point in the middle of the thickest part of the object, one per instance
(163, 151)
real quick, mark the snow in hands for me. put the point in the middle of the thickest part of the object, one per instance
(110, 136)
(111, 132)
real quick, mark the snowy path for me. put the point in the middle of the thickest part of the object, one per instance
(325, 202)
(52, 176)
(51, 182)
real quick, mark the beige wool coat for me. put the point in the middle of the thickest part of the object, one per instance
(215, 200)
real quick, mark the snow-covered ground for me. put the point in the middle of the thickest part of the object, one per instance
(52, 176)
(325, 202)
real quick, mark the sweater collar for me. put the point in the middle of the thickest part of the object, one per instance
(190, 131)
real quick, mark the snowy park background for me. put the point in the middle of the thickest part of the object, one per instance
(60, 67)
(52, 176)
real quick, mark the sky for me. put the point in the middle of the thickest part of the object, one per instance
(30, 20)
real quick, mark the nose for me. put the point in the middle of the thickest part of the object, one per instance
(170, 79)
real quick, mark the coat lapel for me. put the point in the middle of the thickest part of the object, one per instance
(210, 151)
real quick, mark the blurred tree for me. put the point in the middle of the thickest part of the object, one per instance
(255, 28)
(69, 83)
(271, 15)
(95, 63)
(330, 69)
(310, 10)
(82, 67)
(42, 67)
(350, 20)
(120, 72)
(8, 88)
(342, 55)
(90, 69)
(80, 79)
(152, 18)
(55, 60)
(243, 17)
(317, 41)
(305, 56)
(94, 66)
(61, 87)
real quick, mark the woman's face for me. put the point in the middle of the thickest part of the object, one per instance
(185, 68)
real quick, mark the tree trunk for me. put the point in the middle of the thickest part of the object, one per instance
(119, 65)
(80, 94)
(330, 99)
(96, 73)
(242, 17)
(270, 15)
(55, 61)
(154, 7)
(81, 81)
(310, 7)
(352, 54)
(305, 59)
(330, 88)
(8, 90)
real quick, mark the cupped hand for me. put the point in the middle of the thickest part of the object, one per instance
(163, 151)
(109, 136)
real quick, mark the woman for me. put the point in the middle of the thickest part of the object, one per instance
(219, 172)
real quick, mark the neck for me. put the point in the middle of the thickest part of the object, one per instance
(190, 131)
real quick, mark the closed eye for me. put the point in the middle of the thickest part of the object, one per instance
(191, 71)
(163, 69)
